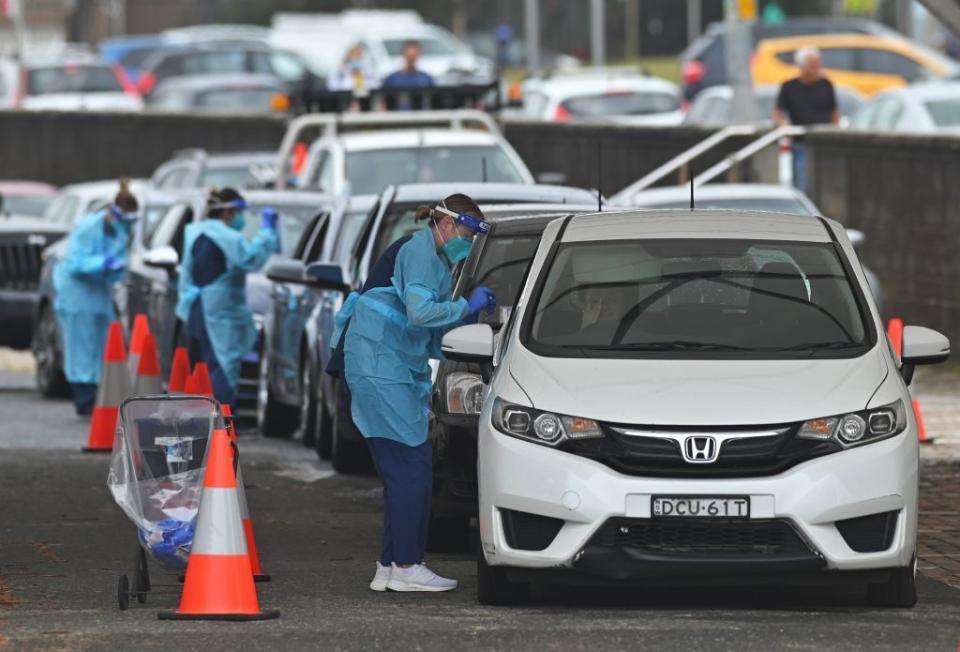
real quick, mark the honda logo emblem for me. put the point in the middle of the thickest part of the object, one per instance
(698, 449)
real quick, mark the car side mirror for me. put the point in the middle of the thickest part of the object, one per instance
(326, 276)
(857, 238)
(164, 256)
(471, 343)
(286, 271)
(922, 346)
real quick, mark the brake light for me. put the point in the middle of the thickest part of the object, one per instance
(561, 114)
(693, 72)
(147, 82)
(128, 86)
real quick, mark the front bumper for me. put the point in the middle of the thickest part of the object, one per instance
(811, 497)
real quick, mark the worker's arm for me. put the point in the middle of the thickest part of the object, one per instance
(84, 257)
(779, 118)
(420, 299)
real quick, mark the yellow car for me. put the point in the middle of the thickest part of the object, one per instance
(868, 64)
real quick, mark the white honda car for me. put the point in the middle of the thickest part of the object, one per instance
(696, 396)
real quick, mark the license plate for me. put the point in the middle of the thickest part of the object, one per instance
(700, 507)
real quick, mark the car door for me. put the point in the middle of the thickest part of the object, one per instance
(292, 304)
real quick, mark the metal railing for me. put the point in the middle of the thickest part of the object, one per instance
(746, 152)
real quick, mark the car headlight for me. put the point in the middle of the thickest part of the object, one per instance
(541, 427)
(858, 427)
(464, 393)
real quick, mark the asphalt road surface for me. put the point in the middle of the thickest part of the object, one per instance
(63, 543)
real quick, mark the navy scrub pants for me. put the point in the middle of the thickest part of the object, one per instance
(407, 475)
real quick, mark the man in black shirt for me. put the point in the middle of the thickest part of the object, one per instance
(805, 100)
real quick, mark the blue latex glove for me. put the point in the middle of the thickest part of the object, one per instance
(482, 299)
(268, 219)
(111, 263)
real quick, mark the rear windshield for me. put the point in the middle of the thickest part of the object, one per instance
(245, 175)
(697, 298)
(613, 104)
(72, 79)
(429, 46)
(945, 113)
(771, 204)
(370, 171)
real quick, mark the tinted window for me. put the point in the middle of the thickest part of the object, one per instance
(370, 171)
(396, 223)
(683, 297)
(347, 235)
(237, 100)
(889, 63)
(430, 46)
(198, 63)
(503, 265)
(944, 113)
(171, 227)
(622, 104)
(72, 79)
(839, 58)
(772, 204)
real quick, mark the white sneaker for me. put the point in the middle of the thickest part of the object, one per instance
(418, 578)
(382, 577)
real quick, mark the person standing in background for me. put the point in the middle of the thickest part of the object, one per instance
(806, 100)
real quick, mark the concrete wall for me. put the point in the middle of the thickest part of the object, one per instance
(904, 193)
(63, 148)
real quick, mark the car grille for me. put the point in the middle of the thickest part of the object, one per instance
(654, 456)
(691, 536)
(20, 261)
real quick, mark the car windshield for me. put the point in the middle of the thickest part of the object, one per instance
(35, 205)
(238, 175)
(347, 234)
(611, 104)
(293, 219)
(370, 171)
(237, 100)
(698, 297)
(945, 113)
(429, 47)
(772, 204)
(502, 266)
(73, 79)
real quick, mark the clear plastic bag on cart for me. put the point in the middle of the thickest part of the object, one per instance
(156, 472)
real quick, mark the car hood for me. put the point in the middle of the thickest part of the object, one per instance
(698, 392)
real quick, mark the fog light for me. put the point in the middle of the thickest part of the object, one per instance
(547, 427)
(852, 428)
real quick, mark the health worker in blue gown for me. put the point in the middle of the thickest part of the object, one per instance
(212, 299)
(390, 331)
(95, 259)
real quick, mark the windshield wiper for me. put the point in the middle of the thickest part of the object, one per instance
(673, 345)
(819, 346)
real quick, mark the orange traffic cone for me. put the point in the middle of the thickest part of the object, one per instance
(140, 328)
(114, 388)
(202, 375)
(258, 574)
(219, 581)
(179, 370)
(148, 379)
(921, 428)
(895, 334)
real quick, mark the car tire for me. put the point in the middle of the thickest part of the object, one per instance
(449, 534)
(493, 587)
(900, 591)
(308, 403)
(273, 418)
(349, 455)
(323, 433)
(51, 383)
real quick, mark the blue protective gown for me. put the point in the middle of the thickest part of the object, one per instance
(83, 302)
(393, 333)
(228, 321)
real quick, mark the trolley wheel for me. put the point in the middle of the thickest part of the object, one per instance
(123, 593)
(141, 597)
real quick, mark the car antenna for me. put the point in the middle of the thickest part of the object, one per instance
(483, 167)
(599, 177)
(692, 205)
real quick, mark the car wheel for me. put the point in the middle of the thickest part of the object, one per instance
(308, 404)
(493, 587)
(348, 455)
(273, 418)
(449, 534)
(323, 433)
(899, 591)
(51, 382)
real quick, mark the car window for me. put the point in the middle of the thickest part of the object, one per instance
(152, 214)
(323, 172)
(503, 265)
(630, 103)
(286, 66)
(889, 63)
(236, 175)
(773, 204)
(315, 251)
(171, 178)
(34, 205)
(72, 79)
(227, 61)
(839, 58)
(250, 99)
(944, 113)
(397, 222)
(888, 114)
(171, 228)
(696, 297)
(292, 222)
(429, 46)
(305, 238)
(170, 100)
(370, 172)
(347, 235)
(63, 209)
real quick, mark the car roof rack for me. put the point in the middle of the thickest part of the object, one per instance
(331, 124)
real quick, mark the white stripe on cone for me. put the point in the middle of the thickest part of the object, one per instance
(219, 526)
(115, 385)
